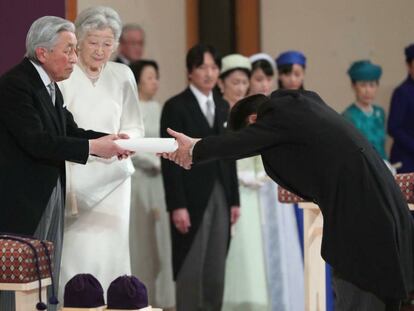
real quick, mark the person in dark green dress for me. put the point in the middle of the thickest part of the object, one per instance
(367, 117)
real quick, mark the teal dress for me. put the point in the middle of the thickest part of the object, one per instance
(371, 125)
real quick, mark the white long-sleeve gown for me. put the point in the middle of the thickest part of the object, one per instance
(96, 241)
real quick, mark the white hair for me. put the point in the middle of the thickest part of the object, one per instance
(98, 18)
(132, 26)
(44, 32)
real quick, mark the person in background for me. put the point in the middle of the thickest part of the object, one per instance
(150, 238)
(234, 78)
(400, 120)
(205, 202)
(291, 67)
(104, 94)
(367, 117)
(246, 286)
(131, 44)
(263, 72)
(401, 125)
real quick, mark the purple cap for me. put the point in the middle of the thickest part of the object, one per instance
(127, 293)
(83, 291)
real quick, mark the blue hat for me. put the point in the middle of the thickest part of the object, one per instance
(83, 291)
(409, 52)
(364, 70)
(127, 293)
(290, 58)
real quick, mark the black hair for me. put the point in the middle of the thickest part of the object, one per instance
(243, 109)
(138, 66)
(285, 70)
(195, 56)
(224, 75)
(266, 67)
(409, 60)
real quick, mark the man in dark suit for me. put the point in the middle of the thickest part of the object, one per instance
(131, 44)
(38, 135)
(310, 150)
(205, 201)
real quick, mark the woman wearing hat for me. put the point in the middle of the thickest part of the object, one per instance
(291, 68)
(262, 79)
(367, 117)
(245, 269)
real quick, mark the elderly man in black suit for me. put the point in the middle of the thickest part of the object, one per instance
(38, 135)
(311, 150)
(205, 201)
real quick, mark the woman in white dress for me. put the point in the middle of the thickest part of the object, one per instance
(245, 283)
(150, 239)
(101, 95)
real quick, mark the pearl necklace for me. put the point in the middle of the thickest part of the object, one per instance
(92, 77)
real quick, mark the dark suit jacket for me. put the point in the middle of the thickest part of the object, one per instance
(119, 60)
(309, 149)
(192, 189)
(36, 140)
(401, 126)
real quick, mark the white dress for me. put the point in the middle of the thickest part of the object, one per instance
(150, 238)
(96, 240)
(245, 283)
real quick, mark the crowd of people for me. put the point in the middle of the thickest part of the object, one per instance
(211, 238)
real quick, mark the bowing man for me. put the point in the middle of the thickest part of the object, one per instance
(314, 152)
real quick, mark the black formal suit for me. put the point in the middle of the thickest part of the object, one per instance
(192, 189)
(311, 150)
(120, 60)
(36, 140)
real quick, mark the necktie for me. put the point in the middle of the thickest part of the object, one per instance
(210, 112)
(52, 92)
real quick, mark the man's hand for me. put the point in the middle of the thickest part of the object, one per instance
(182, 155)
(234, 214)
(181, 220)
(105, 147)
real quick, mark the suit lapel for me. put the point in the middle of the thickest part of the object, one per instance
(43, 95)
(44, 98)
(60, 110)
(220, 115)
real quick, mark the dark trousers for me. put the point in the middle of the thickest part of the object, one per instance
(200, 281)
(349, 297)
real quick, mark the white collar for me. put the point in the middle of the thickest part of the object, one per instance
(42, 73)
(201, 98)
(125, 60)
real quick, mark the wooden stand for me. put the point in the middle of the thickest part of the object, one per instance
(27, 294)
(315, 285)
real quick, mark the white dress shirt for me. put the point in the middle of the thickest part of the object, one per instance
(202, 100)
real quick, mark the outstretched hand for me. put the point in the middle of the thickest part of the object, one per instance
(182, 155)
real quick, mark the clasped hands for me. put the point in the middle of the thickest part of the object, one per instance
(183, 155)
(105, 147)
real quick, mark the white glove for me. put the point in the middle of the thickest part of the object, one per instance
(249, 180)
